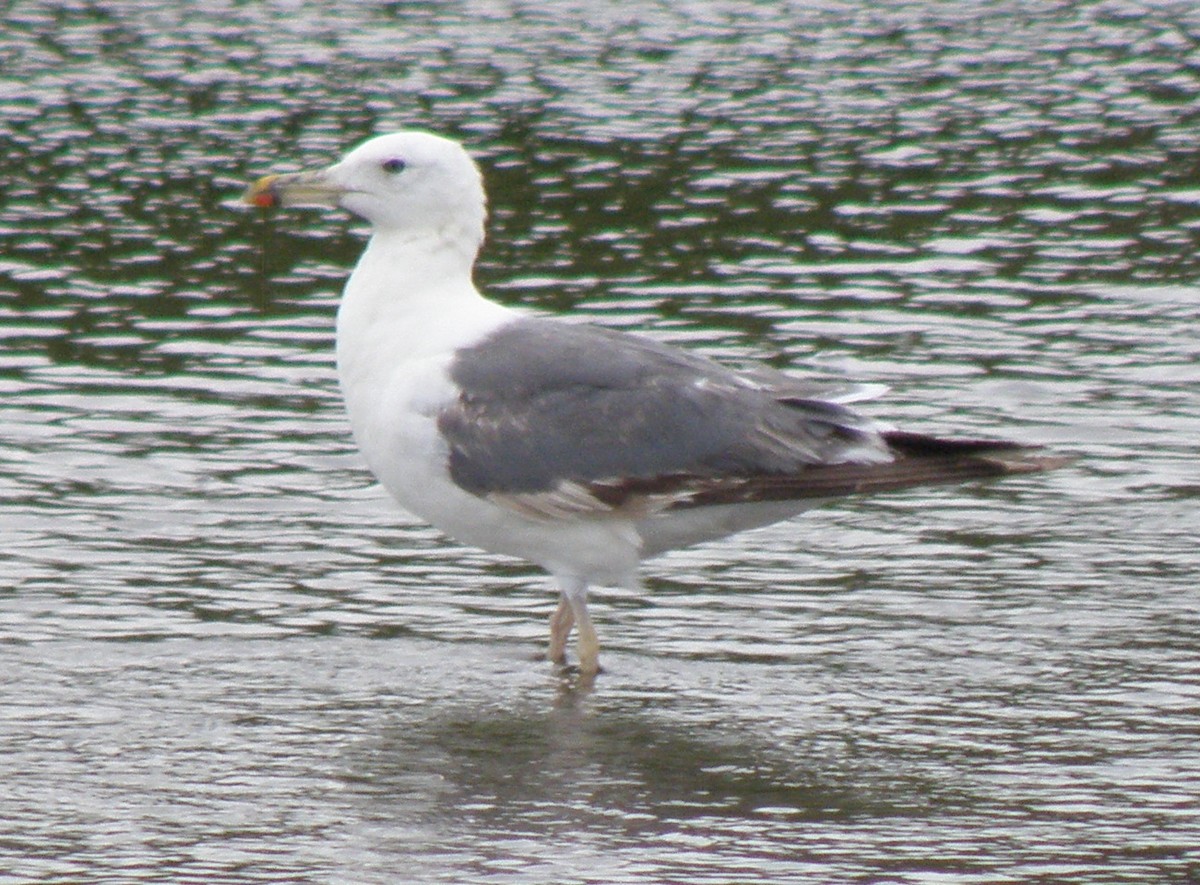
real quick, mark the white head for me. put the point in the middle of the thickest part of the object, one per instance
(413, 184)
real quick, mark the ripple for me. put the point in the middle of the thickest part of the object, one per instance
(228, 657)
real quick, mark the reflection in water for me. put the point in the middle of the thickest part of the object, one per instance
(606, 774)
(227, 658)
(622, 764)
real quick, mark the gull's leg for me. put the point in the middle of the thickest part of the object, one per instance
(574, 592)
(560, 628)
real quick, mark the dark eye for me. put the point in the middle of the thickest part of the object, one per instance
(393, 166)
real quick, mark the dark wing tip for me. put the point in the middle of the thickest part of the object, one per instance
(991, 455)
(920, 460)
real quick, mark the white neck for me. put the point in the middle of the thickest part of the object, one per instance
(416, 259)
(410, 297)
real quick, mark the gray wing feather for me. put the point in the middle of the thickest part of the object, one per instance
(547, 405)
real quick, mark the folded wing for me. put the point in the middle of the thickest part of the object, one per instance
(555, 420)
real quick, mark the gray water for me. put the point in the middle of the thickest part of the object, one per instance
(228, 658)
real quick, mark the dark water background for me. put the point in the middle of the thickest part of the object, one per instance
(227, 658)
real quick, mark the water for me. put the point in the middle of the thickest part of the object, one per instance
(227, 658)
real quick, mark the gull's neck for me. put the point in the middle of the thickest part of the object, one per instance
(411, 297)
(400, 265)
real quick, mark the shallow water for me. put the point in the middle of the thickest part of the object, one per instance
(229, 658)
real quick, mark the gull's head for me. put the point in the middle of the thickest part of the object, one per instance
(410, 183)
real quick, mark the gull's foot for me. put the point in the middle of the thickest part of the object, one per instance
(576, 670)
(573, 680)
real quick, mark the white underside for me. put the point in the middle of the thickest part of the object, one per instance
(683, 528)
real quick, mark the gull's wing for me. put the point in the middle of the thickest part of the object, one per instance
(555, 418)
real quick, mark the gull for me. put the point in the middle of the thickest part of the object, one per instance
(581, 449)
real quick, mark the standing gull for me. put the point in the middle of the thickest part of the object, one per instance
(581, 449)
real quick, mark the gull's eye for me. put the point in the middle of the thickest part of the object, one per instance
(393, 166)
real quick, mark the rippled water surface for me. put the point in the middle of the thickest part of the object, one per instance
(228, 658)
